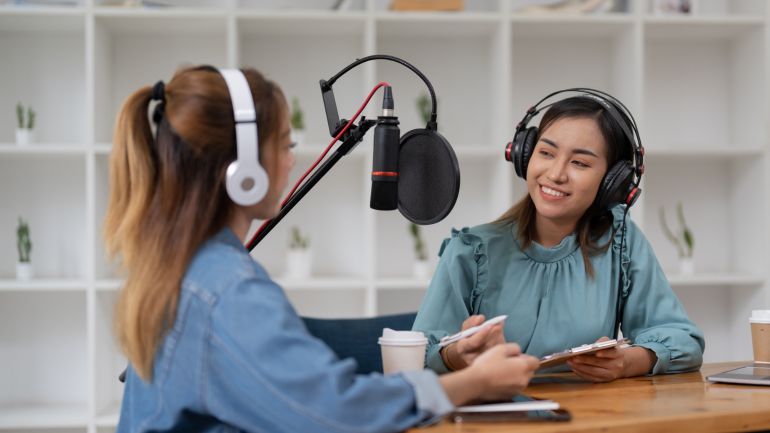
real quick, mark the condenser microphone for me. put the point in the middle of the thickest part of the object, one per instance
(384, 195)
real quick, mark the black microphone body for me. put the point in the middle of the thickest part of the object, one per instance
(387, 137)
(384, 195)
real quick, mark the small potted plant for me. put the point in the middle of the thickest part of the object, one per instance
(24, 125)
(682, 239)
(421, 267)
(297, 122)
(24, 246)
(299, 261)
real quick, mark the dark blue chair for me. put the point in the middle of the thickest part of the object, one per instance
(357, 338)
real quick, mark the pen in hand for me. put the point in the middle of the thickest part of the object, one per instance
(471, 331)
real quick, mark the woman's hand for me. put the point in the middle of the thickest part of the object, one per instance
(602, 366)
(503, 371)
(615, 363)
(498, 374)
(462, 353)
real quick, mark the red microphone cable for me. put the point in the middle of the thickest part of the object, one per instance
(320, 158)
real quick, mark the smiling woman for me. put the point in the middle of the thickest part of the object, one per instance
(562, 260)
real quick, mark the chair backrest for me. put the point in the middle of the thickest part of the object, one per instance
(357, 338)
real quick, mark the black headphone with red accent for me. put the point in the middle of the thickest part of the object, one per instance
(621, 182)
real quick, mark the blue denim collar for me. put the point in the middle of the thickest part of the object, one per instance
(228, 237)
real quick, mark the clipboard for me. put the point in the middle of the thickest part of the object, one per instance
(562, 357)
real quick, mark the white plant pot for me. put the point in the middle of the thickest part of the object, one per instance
(24, 271)
(24, 136)
(421, 269)
(299, 262)
(298, 136)
(686, 266)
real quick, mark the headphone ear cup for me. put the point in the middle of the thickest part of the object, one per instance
(523, 146)
(615, 185)
(246, 184)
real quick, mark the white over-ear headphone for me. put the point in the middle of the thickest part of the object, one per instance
(246, 181)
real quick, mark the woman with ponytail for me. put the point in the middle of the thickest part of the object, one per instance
(213, 343)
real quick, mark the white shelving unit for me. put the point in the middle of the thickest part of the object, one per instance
(697, 85)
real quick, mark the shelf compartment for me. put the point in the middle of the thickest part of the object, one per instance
(163, 42)
(467, 110)
(482, 198)
(570, 52)
(715, 195)
(31, 46)
(337, 216)
(721, 104)
(50, 393)
(49, 193)
(266, 41)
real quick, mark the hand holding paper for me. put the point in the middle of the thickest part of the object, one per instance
(614, 363)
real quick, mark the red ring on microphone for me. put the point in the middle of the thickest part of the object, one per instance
(508, 151)
(385, 173)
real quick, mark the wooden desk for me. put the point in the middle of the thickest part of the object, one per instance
(668, 403)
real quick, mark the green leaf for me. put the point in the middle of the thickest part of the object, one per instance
(20, 115)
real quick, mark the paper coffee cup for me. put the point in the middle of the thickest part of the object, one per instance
(402, 350)
(760, 335)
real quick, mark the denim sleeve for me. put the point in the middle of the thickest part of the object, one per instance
(266, 373)
(653, 316)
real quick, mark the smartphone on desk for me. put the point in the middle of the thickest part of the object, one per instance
(520, 409)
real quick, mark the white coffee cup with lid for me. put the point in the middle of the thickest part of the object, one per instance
(760, 335)
(402, 350)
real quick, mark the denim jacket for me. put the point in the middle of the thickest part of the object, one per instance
(238, 358)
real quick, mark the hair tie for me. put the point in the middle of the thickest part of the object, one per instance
(158, 92)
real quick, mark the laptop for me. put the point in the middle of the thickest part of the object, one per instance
(753, 374)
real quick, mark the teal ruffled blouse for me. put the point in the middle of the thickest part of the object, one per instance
(551, 303)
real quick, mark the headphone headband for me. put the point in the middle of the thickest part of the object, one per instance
(247, 181)
(614, 107)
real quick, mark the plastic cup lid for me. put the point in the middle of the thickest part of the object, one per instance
(392, 337)
(760, 316)
(383, 342)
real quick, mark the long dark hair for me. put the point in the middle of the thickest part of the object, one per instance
(595, 221)
(167, 196)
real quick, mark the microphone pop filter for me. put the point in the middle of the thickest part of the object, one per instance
(429, 177)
